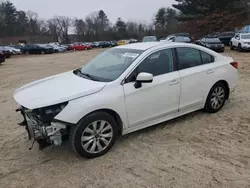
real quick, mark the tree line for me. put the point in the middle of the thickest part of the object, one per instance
(197, 17)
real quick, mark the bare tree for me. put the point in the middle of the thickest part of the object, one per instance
(63, 25)
(53, 29)
(80, 29)
(36, 25)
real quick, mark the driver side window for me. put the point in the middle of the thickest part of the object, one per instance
(158, 63)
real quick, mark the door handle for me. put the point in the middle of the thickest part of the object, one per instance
(210, 71)
(174, 82)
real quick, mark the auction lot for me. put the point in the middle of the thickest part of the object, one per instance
(197, 150)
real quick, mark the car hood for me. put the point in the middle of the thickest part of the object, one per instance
(56, 89)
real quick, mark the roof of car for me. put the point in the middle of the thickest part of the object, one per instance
(158, 45)
(141, 45)
(147, 45)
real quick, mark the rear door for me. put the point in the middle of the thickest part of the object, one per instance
(196, 73)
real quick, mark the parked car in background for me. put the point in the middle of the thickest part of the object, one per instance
(37, 49)
(17, 46)
(2, 57)
(213, 44)
(132, 41)
(78, 46)
(13, 51)
(7, 53)
(240, 41)
(95, 44)
(122, 42)
(116, 92)
(113, 43)
(149, 39)
(57, 48)
(177, 39)
(226, 37)
(67, 46)
(88, 45)
(104, 44)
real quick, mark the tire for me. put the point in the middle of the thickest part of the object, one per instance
(231, 46)
(239, 48)
(86, 140)
(42, 52)
(27, 52)
(216, 98)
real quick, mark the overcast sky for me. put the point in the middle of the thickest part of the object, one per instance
(126, 9)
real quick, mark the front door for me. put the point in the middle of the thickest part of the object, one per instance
(153, 100)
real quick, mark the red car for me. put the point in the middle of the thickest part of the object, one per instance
(79, 46)
(89, 46)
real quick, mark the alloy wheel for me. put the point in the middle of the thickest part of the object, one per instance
(218, 97)
(97, 136)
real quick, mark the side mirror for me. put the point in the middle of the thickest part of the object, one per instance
(143, 77)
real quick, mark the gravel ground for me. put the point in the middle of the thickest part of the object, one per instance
(197, 150)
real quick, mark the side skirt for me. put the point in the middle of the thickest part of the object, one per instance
(161, 120)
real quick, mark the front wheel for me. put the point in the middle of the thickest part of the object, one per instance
(94, 135)
(240, 48)
(216, 98)
(231, 46)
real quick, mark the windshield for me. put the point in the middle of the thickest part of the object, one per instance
(245, 36)
(149, 39)
(109, 65)
(213, 40)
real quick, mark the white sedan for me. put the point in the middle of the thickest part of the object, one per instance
(122, 90)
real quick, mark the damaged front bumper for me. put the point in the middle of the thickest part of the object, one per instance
(43, 132)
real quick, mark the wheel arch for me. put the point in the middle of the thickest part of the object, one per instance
(113, 113)
(225, 83)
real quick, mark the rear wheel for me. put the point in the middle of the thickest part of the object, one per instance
(216, 98)
(94, 135)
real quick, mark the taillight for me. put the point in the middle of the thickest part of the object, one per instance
(235, 64)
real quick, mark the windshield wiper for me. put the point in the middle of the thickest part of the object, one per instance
(89, 76)
(82, 74)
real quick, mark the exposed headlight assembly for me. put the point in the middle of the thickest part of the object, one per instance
(48, 113)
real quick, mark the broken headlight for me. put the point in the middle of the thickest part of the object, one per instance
(47, 114)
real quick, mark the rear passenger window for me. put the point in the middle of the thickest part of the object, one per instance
(206, 58)
(188, 57)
